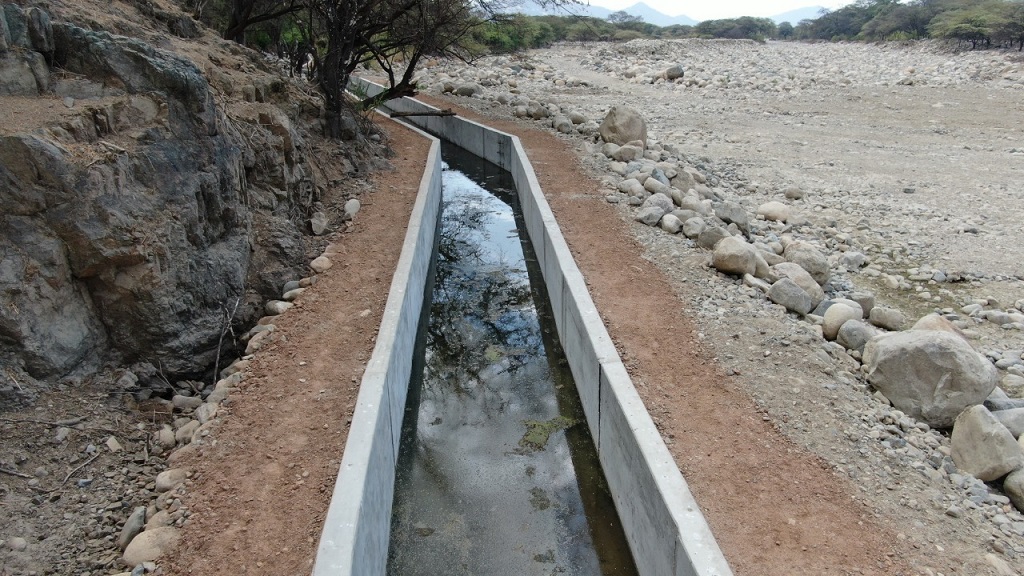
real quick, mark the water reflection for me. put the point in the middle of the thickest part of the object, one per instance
(486, 477)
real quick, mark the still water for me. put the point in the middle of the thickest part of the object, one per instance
(497, 473)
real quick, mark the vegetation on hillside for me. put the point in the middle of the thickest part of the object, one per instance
(975, 23)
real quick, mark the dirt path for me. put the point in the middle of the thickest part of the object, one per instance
(259, 493)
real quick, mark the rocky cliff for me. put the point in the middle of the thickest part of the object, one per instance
(137, 208)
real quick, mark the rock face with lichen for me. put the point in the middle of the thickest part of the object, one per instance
(135, 220)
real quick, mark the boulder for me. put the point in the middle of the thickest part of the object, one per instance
(853, 260)
(1013, 486)
(774, 210)
(623, 125)
(835, 317)
(669, 223)
(810, 259)
(170, 479)
(854, 335)
(733, 213)
(936, 323)
(734, 256)
(650, 215)
(802, 278)
(562, 124)
(932, 376)
(468, 89)
(888, 318)
(132, 526)
(1013, 419)
(662, 201)
(318, 223)
(628, 153)
(674, 72)
(710, 236)
(787, 293)
(866, 300)
(693, 227)
(151, 545)
(983, 447)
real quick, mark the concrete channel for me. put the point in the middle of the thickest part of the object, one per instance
(666, 530)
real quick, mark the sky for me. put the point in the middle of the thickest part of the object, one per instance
(715, 9)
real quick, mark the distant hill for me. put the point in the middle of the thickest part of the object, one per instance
(795, 16)
(649, 15)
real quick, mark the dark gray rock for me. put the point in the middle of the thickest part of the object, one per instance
(142, 252)
(5, 35)
(733, 213)
(787, 293)
(17, 26)
(710, 236)
(854, 334)
(183, 26)
(132, 526)
(40, 31)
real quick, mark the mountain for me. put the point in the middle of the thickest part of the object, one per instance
(649, 15)
(795, 16)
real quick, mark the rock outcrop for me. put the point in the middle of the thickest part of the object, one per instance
(138, 220)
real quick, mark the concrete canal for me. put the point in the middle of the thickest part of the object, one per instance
(497, 471)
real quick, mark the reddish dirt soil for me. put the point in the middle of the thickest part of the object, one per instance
(261, 492)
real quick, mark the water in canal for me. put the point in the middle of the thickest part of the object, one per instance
(497, 473)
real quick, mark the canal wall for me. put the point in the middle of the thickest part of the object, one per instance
(354, 541)
(667, 532)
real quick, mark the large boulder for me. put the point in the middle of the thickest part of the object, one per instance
(1013, 419)
(933, 376)
(1013, 485)
(802, 279)
(836, 316)
(151, 545)
(888, 318)
(810, 259)
(983, 447)
(623, 125)
(710, 236)
(787, 293)
(854, 335)
(734, 256)
(733, 213)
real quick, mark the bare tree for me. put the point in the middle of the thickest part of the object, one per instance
(245, 13)
(393, 34)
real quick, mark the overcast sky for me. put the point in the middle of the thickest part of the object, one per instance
(714, 9)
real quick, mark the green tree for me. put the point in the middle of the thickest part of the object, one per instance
(973, 25)
(785, 30)
(623, 17)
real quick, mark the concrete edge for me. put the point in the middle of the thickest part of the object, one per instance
(356, 531)
(633, 454)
